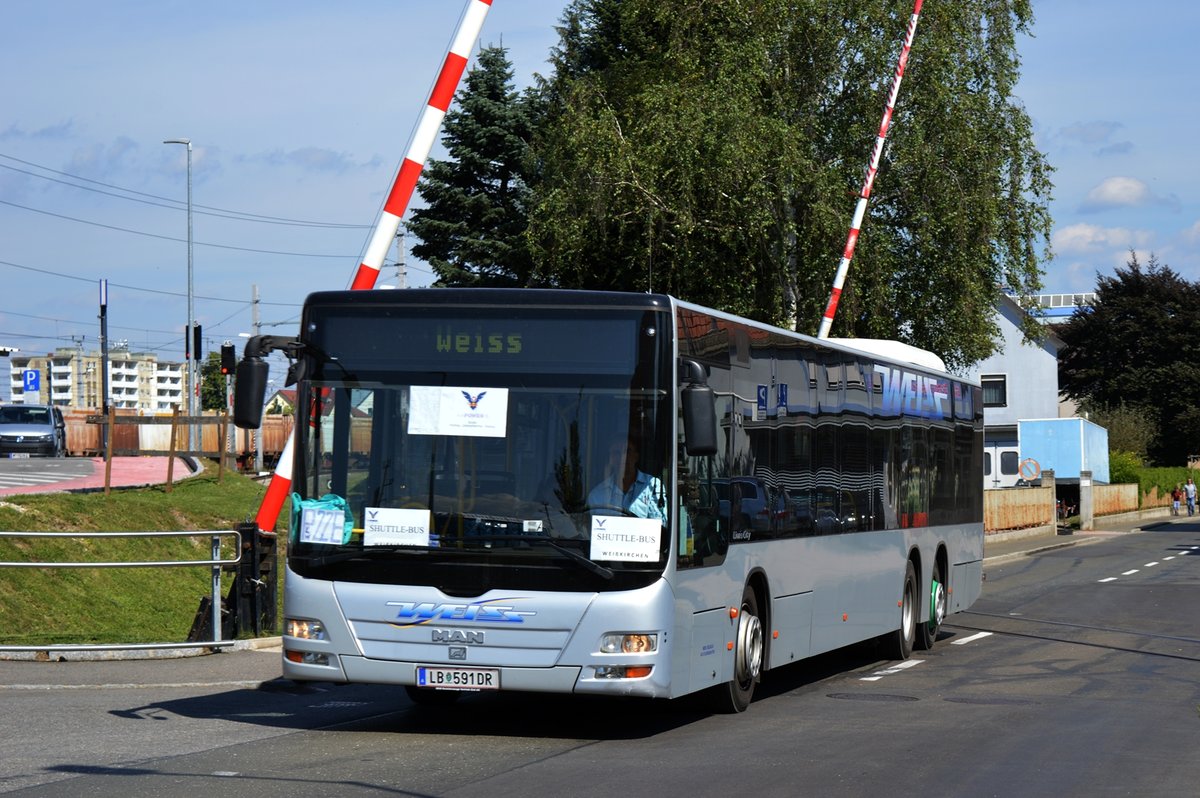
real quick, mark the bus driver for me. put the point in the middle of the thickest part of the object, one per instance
(627, 488)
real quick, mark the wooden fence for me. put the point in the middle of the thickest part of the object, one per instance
(1018, 508)
(145, 434)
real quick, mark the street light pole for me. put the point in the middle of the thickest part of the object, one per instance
(193, 371)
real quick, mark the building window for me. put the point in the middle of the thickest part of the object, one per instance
(1008, 463)
(995, 390)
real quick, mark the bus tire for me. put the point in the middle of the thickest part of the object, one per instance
(735, 695)
(428, 697)
(900, 642)
(927, 632)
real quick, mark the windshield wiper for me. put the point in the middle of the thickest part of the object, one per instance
(354, 554)
(575, 556)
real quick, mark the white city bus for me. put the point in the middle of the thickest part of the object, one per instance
(791, 496)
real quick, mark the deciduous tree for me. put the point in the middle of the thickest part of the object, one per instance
(1134, 346)
(715, 151)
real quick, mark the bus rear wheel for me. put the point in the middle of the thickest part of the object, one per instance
(899, 643)
(735, 695)
(927, 632)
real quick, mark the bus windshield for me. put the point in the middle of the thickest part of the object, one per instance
(461, 439)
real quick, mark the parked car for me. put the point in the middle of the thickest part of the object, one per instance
(32, 430)
(744, 501)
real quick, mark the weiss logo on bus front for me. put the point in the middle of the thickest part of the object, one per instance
(625, 539)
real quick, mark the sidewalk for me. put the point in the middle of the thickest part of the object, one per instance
(1007, 546)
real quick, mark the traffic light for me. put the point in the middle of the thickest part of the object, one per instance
(196, 343)
(228, 358)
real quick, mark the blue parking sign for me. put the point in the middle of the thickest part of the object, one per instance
(33, 380)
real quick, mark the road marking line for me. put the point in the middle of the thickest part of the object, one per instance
(971, 639)
(1150, 565)
(1134, 571)
(26, 480)
(1109, 579)
(889, 671)
(1169, 558)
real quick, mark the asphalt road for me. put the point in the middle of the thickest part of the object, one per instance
(1076, 674)
(41, 471)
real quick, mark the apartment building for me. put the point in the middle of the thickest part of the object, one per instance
(70, 377)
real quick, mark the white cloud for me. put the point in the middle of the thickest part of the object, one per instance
(1084, 238)
(1192, 234)
(1123, 192)
(1115, 192)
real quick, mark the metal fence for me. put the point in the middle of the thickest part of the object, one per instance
(216, 563)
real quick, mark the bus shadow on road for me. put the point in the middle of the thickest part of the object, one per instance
(281, 703)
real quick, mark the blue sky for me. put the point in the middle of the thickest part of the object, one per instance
(300, 112)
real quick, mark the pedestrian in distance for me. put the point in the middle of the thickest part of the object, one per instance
(1189, 493)
(1176, 498)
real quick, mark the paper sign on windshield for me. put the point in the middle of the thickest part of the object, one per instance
(322, 526)
(441, 410)
(390, 526)
(616, 537)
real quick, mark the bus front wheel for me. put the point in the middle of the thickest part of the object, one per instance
(735, 695)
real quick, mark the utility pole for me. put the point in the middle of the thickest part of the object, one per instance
(401, 275)
(78, 369)
(257, 324)
(193, 365)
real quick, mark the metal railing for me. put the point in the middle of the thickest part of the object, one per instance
(216, 562)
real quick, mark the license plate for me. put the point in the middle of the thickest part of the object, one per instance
(19, 455)
(458, 678)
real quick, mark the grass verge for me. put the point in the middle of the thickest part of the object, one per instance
(115, 605)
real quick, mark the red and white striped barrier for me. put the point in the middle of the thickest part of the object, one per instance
(860, 209)
(422, 141)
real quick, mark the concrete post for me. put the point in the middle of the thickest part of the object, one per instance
(1085, 500)
(1048, 482)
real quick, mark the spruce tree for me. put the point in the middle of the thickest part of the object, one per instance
(472, 229)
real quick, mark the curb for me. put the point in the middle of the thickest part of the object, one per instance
(1076, 539)
(51, 655)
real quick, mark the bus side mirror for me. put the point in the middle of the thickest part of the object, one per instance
(252, 373)
(249, 391)
(699, 410)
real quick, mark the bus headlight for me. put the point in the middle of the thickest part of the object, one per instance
(303, 629)
(628, 643)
